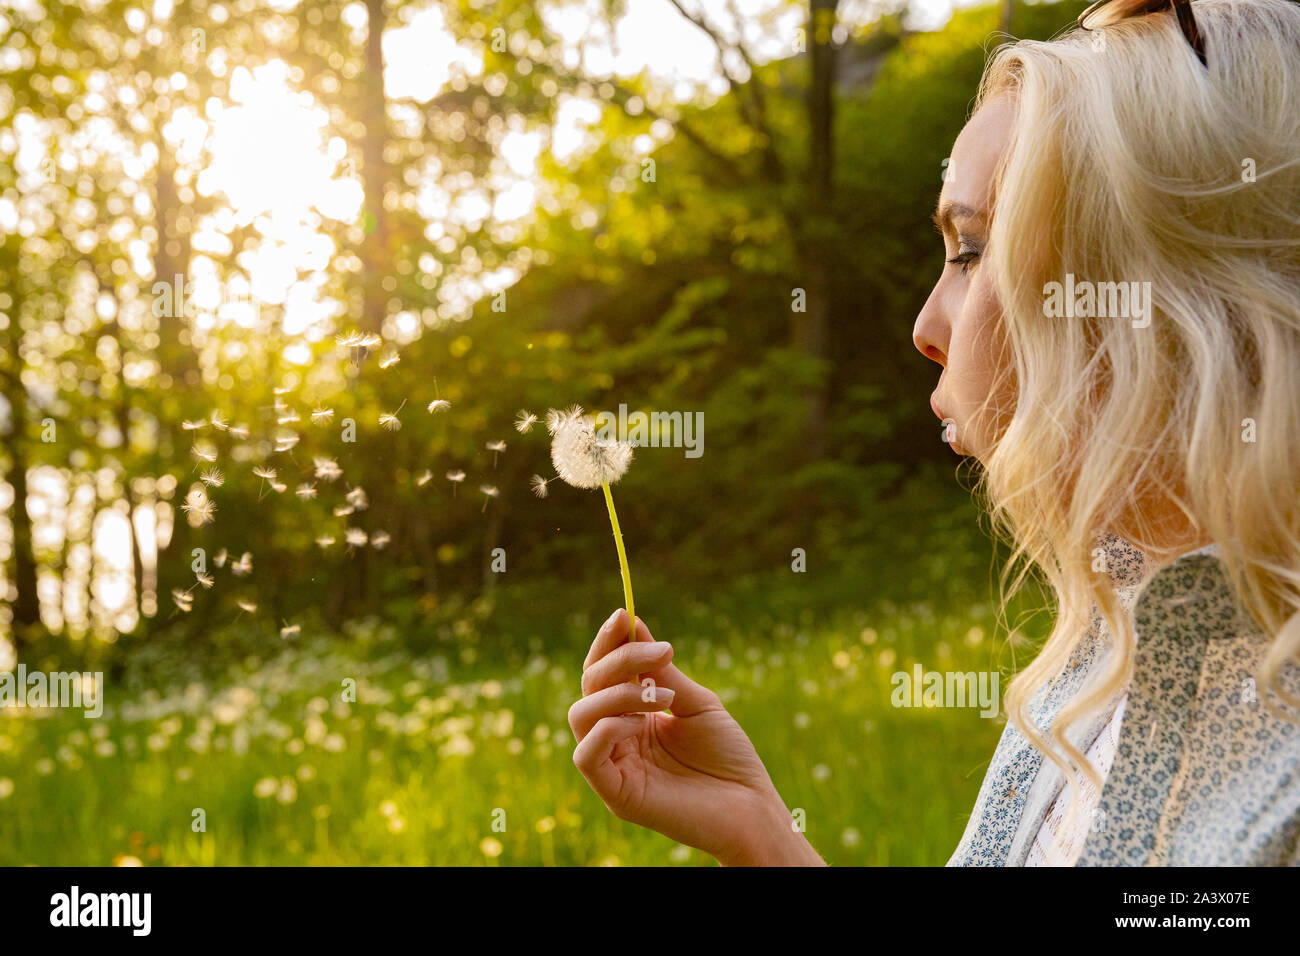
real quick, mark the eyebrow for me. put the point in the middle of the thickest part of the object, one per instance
(948, 211)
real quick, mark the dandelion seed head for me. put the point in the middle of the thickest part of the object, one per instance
(581, 458)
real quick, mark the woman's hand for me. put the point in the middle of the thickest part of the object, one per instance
(692, 775)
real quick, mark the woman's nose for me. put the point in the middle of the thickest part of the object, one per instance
(930, 334)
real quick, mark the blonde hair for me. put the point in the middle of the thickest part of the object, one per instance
(1130, 161)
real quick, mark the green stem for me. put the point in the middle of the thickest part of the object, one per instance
(622, 561)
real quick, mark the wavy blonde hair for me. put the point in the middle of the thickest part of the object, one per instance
(1129, 161)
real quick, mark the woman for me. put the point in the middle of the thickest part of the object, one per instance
(1118, 325)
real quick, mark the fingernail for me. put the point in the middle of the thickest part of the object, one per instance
(662, 648)
(663, 696)
(609, 622)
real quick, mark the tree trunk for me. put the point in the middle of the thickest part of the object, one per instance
(27, 608)
(374, 113)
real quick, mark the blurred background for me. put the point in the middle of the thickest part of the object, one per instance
(282, 283)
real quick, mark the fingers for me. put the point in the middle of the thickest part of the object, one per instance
(622, 698)
(611, 634)
(593, 753)
(625, 663)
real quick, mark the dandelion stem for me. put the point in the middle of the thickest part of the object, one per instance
(622, 560)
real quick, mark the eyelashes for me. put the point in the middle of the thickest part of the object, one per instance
(966, 255)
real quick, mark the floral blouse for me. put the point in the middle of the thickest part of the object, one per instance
(1203, 774)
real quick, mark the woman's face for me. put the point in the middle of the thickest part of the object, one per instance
(959, 325)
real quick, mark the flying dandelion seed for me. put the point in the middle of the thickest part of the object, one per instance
(279, 487)
(281, 390)
(324, 541)
(349, 339)
(245, 605)
(206, 580)
(306, 491)
(439, 405)
(342, 511)
(242, 567)
(198, 508)
(585, 461)
(288, 418)
(290, 630)
(219, 559)
(455, 477)
(496, 447)
(217, 421)
(240, 432)
(379, 540)
(204, 452)
(321, 415)
(285, 441)
(356, 497)
(538, 484)
(355, 538)
(524, 420)
(389, 360)
(266, 474)
(489, 492)
(423, 479)
(327, 469)
(183, 599)
(192, 426)
(390, 421)
(212, 477)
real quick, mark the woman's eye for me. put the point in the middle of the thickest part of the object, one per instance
(966, 254)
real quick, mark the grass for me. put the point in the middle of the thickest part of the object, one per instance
(457, 748)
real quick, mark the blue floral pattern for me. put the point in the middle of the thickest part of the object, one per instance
(1203, 774)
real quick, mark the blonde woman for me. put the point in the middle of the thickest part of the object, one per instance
(1118, 324)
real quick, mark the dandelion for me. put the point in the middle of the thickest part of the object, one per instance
(290, 630)
(539, 484)
(306, 491)
(524, 421)
(243, 566)
(585, 461)
(489, 491)
(356, 497)
(379, 540)
(212, 477)
(206, 580)
(321, 415)
(391, 421)
(455, 477)
(327, 469)
(198, 507)
(324, 541)
(496, 447)
(423, 479)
